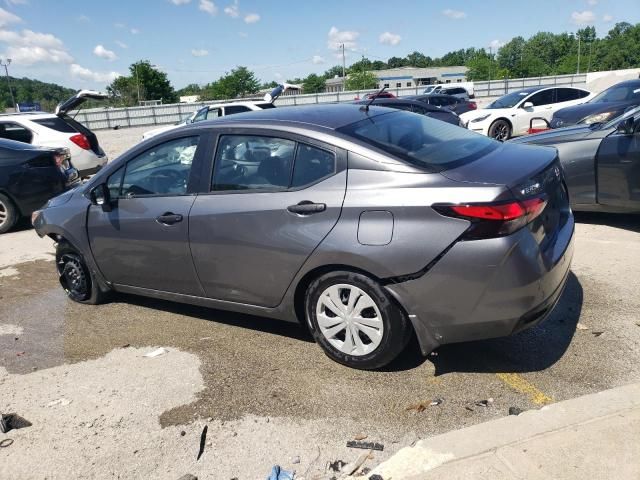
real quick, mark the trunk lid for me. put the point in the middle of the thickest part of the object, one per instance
(78, 99)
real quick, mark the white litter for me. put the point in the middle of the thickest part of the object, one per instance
(156, 353)
(582, 326)
(9, 329)
(63, 402)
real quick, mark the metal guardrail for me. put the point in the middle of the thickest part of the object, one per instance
(101, 118)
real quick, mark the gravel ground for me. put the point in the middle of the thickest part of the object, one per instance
(115, 142)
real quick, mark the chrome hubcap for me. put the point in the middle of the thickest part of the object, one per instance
(3, 213)
(349, 319)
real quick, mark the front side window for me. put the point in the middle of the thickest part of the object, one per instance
(213, 113)
(14, 131)
(114, 182)
(161, 170)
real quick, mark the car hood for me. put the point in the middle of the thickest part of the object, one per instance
(79, 98)
(558, 135)
(577, 113)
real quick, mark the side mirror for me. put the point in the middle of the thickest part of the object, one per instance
(527, 105)
(625, 127)
(101, 196)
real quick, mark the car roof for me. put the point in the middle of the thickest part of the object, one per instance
(27, 115)
(237, 104)
(626, 83)
(330, 116)
(14, 145)
(390, 101)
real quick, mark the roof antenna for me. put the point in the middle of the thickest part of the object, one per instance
(373, 97)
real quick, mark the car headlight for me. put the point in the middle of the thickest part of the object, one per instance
(480, 119)
(597, 118)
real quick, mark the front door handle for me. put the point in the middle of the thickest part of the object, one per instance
(169, 218)
(307, 208)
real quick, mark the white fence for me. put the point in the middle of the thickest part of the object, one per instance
(100, 118)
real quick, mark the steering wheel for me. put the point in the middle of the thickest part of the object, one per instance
(167, 180)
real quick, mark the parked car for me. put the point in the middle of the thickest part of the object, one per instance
(510, 115)
(605, 106)
(59, 130)
(29, 176)
(601, 162)
(416, 107)
(455, 104)
(216, 110)
(365, 224)
(381, 94)
(467, 91)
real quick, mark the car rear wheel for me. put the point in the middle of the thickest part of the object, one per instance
(8, 214)
(500, 130)
(355, 321)
(75, 277)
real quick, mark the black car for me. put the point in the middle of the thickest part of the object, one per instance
(609, 104)
(601, 162)
(455, 104)
(417, 107)
(29, 176)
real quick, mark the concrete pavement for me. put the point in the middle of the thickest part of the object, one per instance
(595, 436)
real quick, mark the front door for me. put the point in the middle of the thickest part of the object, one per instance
(618, 167)
(272, 202)
(542, 108)
(144, 241)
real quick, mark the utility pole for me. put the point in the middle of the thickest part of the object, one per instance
(364, 86)
(578, 35)
(343, 61)
(6, 71)
(589, 64)
(135, 66)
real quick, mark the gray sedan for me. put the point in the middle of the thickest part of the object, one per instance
(368, 225)
(601, 162)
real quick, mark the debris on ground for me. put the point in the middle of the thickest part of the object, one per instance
(582, 326)
(188, 476)
(360, 436)
(375, 476)
(7, 442)
(203, 441)
(365, 445)
(12, 421)
(183, 433)
(484, 403)
(364, 471)
(277, 473)
(436, 402)
(126, 345)
(597, 334)
(515, 411)
(469, 408)
(19, 354)
(295, 460)
(336, 466)
(349, 468)
(63, 402)
(156, 353)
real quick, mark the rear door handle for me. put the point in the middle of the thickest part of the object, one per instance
(169, 218)
(307, 208)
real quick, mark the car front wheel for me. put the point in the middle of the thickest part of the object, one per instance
(75, 277)
(354, 320)
(500, 130)
(8, 214)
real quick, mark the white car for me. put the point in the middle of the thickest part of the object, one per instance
(59, 130)
(511, 115)
(216, 110)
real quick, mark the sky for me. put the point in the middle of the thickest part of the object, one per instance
(85, 44)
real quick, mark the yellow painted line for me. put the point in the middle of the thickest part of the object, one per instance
(519, 384)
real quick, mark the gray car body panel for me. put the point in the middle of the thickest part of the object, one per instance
(379, 221)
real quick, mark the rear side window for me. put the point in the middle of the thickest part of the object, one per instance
(545, 97)
(420, 140)
(235, 109)
(14, 131)
(311, 165)
(568, 94)
(55, 123)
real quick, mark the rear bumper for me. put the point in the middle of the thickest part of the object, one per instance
(487, 288)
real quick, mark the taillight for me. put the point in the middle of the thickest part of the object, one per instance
(490, 220)
(81, 141)
(59, 159)
(473, 105)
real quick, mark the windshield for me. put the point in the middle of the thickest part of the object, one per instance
(613, 123)
(422, 141)
(509, 100)
(618, 94)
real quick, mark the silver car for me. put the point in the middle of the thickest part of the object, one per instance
(368, 225)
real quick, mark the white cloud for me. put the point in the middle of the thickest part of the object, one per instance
(199, 52)
(208, 6)
(121, 44)
(335, 38)
(455, 14)
(252, 18)
(29, 47)
(592, 2)
(390, 38)
(83, 19)
(233, 10)
(496, 44)
(606, 18)
(7, 17)
(583, 18)
(179, 2)
(85, 74)
(134, 31)
(102, 52)
(317, 60)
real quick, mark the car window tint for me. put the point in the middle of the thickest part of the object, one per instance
(161, 170)
(213, 113)
(55, 123)
(236, 109)
(419, 109)
(114, 182)
(312, 164)
(201, 115)
(251, 162)
(545, 97)
(567, 94)
(16, 132)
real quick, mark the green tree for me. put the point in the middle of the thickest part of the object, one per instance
(361, 80)
(313, 84)
(191, 89)
(240, 82)
(333, 72)
(145, 82)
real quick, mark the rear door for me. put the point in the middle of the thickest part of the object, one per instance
(618, 170)
(273, 198)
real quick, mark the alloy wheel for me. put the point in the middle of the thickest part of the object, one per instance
(349, 319)
(4, 213)
(501, 132)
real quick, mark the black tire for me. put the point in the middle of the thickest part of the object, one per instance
(76, 279)
(500, 130)
(9, 214)
(397, 330)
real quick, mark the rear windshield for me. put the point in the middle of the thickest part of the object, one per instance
(422, 141)
(55, 123)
